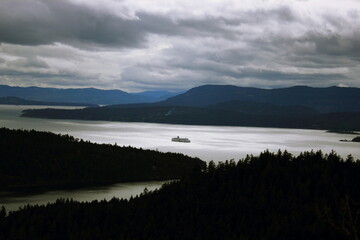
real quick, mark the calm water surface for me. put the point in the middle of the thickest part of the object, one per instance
(207, 142)
(13, 200)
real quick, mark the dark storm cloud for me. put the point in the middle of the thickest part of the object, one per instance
(33, 22)
(336, 44)
(36, 22)
(260, 44)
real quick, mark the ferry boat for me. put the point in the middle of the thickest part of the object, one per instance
(179, 139)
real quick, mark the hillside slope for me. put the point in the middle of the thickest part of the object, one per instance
(271, 196)
(82, 95)
(331, 99)
(42, 159)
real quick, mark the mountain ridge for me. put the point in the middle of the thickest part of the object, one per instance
(296, 107)
(82, 95)
(21, 101)
(330, 99)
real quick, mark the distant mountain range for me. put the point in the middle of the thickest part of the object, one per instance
(20, 101)
(331, 99)
(295, 107)
(156, 96)
(84, 95)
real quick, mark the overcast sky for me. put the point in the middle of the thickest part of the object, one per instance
(138, 45)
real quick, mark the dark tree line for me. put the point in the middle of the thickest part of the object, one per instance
(32, 158)
(271, 196)
(285, 117)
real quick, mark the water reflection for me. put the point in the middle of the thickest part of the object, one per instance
(207, 142)
(13, 200)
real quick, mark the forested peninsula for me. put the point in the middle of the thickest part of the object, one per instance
(21, 101)
(30, 158)
(271, 196)
(225, 105)
(204, 116)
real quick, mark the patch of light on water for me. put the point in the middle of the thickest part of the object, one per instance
(216, 143)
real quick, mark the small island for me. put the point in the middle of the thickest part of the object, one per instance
(355, 139)
(342, 131)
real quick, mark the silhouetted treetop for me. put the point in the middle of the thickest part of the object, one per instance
(31, 158)
(270, 196)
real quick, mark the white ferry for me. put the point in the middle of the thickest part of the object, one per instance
(179, 139)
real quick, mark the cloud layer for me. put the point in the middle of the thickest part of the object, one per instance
(175, 45)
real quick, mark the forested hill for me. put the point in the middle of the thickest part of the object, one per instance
(325, 100)
(83, 95)
(295, 107)
(20, 101)
(259, 116)
(35, 159)
(272, 196)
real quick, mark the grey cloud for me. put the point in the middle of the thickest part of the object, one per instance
(34, 75)
(278, 75)
(216, 26)
(46, 51)
(61, 79)
(33, 22)
(336, 36)
(36, 22)
(211, 69)
(33, 62)
(281, 14)
(336, 44)
(247, 63)
(252, 47)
